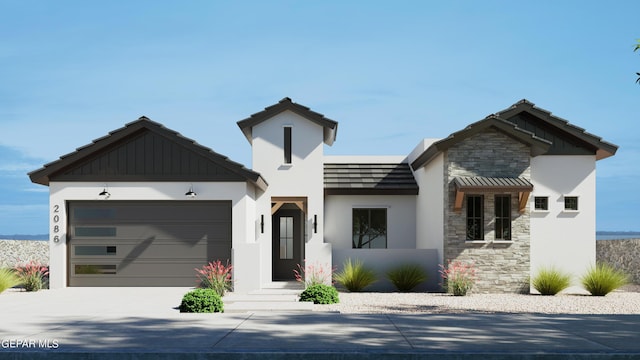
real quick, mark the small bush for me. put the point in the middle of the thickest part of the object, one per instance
(8, 279)
(406, 277)
(32, 275)
(320, 294)
(603, 279)
(202, 301)
(355, 276)
(550, 281)
(215, 276)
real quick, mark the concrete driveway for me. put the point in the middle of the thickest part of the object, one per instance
(137, 323)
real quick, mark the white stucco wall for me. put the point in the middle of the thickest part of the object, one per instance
(304, 177)
(239, 193)
(565, 239)
(401, 225)
(430, 206)
(401, 236)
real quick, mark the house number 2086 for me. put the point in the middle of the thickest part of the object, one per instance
(56, 220)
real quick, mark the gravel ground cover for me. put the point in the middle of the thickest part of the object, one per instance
(623, 301)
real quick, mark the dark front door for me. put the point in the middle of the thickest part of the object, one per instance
(287, 244)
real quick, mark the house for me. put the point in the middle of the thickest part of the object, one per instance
(144, 206)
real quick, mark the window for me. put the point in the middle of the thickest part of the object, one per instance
(571, 203)
(369, 228)
(286, 237)
(503, 217)
(541, 203)
(287, 144)
(475, 205)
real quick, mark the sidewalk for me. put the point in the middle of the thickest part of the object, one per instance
(122, 323)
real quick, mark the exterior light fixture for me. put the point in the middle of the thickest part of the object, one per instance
(262, 224)
(190, 194)
(315, 224)
(104, 194)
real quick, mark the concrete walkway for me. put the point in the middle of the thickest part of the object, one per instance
(142, 323)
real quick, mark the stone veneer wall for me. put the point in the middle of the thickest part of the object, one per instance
(622, 254)
(500, 267)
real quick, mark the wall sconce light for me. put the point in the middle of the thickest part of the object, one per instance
(190, 194)
(261, 224)
(104, 194)
(315, 224)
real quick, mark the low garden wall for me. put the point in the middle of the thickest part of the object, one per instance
(18, 252)
(622, 254)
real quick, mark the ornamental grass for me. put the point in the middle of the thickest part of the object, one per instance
(8, 279)
(603, 279)
(355, 276)
(550, 281)
(406, 277)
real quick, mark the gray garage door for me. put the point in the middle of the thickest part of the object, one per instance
(152, 243)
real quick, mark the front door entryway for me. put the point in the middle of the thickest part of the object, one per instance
(287, 246)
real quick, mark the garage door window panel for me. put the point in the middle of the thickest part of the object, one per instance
(89, 231)
(92, 250)
(95, 269)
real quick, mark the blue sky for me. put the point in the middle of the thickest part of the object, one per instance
(390, 72)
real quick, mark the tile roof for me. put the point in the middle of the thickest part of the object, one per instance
(537, 144)
(369, 179)
(330, 126)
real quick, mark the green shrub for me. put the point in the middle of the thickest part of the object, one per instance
(406, 277)
(320, 294)
(202, 301)
(603, 279)
(355, 276)
(8, 279)
(550, 281)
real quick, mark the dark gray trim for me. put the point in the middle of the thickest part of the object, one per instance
(330, 126)
(537, 144)
(103, 146)
(376, 191)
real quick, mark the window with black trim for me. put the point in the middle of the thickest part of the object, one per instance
(475, 218)
(541, 203)
(503, 217)
(369, 229)
(571, 203)
(287, 144)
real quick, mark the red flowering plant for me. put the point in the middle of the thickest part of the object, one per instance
(216, 276)
(458, 277)
(314, 274)
(33, 275)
